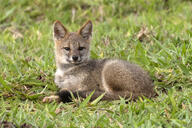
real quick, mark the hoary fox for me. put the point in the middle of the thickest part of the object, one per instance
(76, 73)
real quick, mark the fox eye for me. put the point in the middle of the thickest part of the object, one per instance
(66, 48)
(81, 48)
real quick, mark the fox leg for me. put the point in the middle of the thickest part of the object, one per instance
(62, 96)
(65, 95)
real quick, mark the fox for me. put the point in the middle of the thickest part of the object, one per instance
(78, 75)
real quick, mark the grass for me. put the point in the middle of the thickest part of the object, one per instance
(156, 34)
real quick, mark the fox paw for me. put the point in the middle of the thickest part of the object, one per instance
(65, 96)
(51, 98)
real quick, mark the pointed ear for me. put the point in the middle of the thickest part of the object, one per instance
(59, 31)
(86, 30)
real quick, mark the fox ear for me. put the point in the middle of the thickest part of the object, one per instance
(86, 30)
(59, 31)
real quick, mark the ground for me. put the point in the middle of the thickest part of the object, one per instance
(155, 34)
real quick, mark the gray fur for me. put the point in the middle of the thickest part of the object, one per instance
(113, 77)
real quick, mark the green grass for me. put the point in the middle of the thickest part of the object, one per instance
(156, 34)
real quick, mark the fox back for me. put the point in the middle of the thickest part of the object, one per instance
(79, 74)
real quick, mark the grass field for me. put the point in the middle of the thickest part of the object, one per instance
(156, 34)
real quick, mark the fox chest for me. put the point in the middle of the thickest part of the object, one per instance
(72, 81)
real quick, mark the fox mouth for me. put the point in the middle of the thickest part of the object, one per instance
(75, 62)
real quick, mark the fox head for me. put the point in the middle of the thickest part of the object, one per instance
(72, 47)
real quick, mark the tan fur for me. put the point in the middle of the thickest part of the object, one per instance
(51, 98)
(113, 76)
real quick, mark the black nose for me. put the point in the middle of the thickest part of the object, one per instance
(75, 58)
